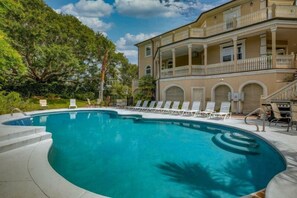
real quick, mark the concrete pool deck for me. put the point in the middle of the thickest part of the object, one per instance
(26, 172)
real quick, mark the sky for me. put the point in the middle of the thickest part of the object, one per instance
(127, 22)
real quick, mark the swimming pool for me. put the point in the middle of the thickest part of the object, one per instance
(119, 156)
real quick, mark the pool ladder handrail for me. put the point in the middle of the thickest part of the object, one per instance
(17, 109)
(263, 116)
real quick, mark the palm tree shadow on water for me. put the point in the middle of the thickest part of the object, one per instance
(202, 181)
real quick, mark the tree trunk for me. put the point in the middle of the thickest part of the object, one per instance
(103, 70)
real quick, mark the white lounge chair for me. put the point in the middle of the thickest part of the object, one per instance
(224, 111)
(209, 109)
(195, 108)
(136, 105)
(174, 107)
(184, 108)
(144, 105)
(157, 107)
(151, 106)
(43, 103)
(72, 103)
(165, 108)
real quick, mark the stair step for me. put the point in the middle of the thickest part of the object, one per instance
(17, 132)
(23, 141)
(218, 139)
(229, 138)
(242, 137)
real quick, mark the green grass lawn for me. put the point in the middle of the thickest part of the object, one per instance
(33, 104)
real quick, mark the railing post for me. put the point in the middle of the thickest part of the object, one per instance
(273, 11)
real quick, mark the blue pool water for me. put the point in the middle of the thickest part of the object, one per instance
(123, 158)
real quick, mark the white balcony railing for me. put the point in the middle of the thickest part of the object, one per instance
(166, 40)
(181, 35)
(254, 64)
(285, 61)
(286, 11)
(197, 32)
(245, 65)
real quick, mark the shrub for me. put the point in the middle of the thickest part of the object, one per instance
(11, 100)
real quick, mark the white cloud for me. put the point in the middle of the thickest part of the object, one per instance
(126, 44)
(89, 13)
(159, 8)
(95, 23)
(87, 8)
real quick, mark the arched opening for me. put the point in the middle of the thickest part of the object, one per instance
(221, 95)
(252, 95)
(174, 93)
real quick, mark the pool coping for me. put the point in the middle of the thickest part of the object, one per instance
(51, 184)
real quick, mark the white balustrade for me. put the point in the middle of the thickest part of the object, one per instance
(254, 64)
(286, 11)
(288, 92)
(197, 32)
(220, 68)
(252, 18)
(181, 35)
(198, 69)
(181, 71)
(166, 40)
(285, 61)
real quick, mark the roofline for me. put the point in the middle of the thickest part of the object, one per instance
(203, 13)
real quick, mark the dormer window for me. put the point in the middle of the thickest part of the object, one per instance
(148, 50)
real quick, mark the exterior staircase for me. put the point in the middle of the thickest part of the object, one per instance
(285, 94)
(12, 137)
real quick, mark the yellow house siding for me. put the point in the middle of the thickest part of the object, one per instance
(213, 54)
(252, 47)
(143, 61)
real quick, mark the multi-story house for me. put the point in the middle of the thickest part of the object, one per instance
(240, 51)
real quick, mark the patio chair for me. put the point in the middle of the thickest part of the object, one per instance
(194, 109)
(136, 105)
(224, 111)
(43, 103)
(293, 116)
(157, 107)
(184, 108)
(151, 106)
(72, 103)
(174, 107)
(144, 105)
(277, 115)
(209, 109)
(165, 108)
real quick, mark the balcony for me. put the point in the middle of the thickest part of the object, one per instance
(245, 65)
(245, 20)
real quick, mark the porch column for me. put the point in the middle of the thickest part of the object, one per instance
(160, 65)
(235, 53)
(173, 61)
(190, 58)
(273, 37)
(205, 58)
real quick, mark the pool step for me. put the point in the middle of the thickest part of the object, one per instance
(228, 137)
(15, 132)
(17, 137)
(220, 140)
(242, 137)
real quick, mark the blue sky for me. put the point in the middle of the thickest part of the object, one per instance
(127, 22)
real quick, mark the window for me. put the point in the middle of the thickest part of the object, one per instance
(148, 70)
(169, 64)
(148, 50)
(227, 53)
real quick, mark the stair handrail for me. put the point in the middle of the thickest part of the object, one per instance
(264, 99)
(17, 109)
(263, 116)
